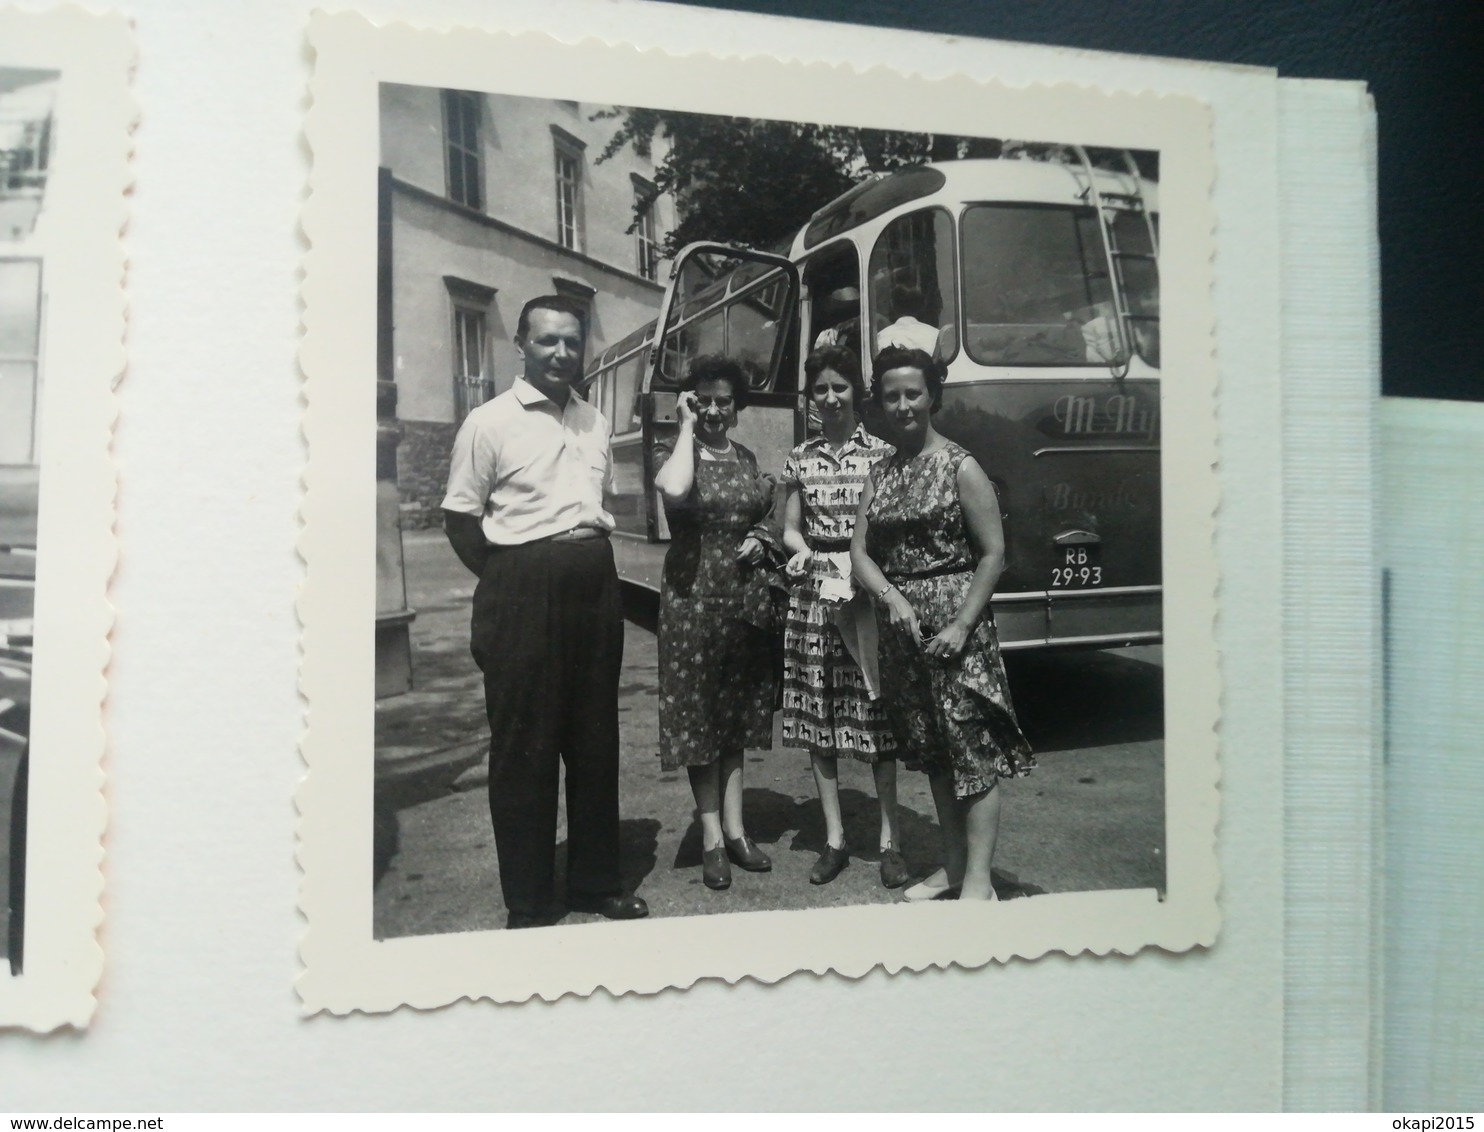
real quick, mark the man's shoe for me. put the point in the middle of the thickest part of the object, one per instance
(830, 864)
(610, 907)
(894, 872)
(745, 854)
(715, 869)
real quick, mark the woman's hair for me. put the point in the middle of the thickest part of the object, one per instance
(843, 362)
(899, 357)
(717, 367)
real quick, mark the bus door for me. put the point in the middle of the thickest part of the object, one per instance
(743, 305)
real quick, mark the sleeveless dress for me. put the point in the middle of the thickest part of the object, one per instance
(717, 663)
(953, 714)
(826, 706)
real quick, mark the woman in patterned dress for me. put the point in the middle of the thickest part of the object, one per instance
(828, 703)
(716, 660)
(929, 547)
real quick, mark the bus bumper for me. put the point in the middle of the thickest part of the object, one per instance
(1090, 618)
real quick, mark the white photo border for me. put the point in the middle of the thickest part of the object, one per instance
(78, 237)
(345, 968)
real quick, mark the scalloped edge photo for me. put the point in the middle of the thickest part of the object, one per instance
(345, 968)
(65, 219)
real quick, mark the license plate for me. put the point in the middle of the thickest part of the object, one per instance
(1076, 567)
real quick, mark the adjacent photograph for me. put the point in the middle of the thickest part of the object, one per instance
(26, 101)
(65, 119)
(740, 524)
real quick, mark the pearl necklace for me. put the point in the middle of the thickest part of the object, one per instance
(724, 450)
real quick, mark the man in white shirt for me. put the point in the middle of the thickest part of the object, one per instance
(524, 512)
(909, 331)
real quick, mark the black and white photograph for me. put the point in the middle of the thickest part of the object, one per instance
(26, 100)
(65, 118)
(777, 723)
(772, 524)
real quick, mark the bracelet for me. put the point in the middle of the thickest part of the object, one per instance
(884, 590)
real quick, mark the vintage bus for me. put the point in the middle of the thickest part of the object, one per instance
(1034, 281)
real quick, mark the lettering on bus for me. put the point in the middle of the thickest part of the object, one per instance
(1122, 414)
(1066, 496)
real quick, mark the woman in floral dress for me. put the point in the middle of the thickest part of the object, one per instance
(717, 665)
(829, 704)
(929, 547)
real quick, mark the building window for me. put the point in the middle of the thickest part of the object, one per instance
(468, 360)
(20, 350)
(568, 154)
(461, 147)
(473, 383)
(646, 232)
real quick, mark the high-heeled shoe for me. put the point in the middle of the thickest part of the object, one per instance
(745, 854)
(716, 871)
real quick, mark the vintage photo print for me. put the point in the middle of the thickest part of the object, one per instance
(767, 542)
(65, 125)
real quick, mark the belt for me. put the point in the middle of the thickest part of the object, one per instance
(576, 534)
(829, 545)
(934, 572)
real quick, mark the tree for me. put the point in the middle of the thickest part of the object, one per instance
(756, 181)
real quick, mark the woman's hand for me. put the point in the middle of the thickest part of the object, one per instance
(798, 565)
(685, 408)
(950, 641)
(900, 614)
(750, 552)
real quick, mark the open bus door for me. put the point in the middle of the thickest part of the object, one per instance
(744, 305)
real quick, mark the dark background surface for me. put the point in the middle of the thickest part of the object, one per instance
(1424, 63)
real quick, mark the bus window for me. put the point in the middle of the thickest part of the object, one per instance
(1036, 289)
(832, 277)
(740, 312)
(700, 331)
(752, 329)
(625, 384)
(912, 285)
(1140, 281)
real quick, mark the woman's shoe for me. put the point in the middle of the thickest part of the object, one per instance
(746, 855)
(715, 870)
(935, 887)
(894, 872)
(831, 864)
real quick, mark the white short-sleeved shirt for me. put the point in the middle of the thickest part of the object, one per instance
(909, 334)
(529, 469)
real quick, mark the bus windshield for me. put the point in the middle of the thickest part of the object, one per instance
(1036, 289)
(740, 310)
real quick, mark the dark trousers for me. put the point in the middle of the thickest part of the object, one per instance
(548, 635)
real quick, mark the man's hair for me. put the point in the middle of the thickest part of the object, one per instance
(899, 357)
(907, 298)
(550, 303)
(843, 362)
(717, 367)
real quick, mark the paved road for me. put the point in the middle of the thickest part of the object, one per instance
(1090, 817)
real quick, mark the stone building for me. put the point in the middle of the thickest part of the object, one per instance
(486, 201)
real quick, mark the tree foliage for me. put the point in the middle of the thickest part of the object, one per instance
(756, 181)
